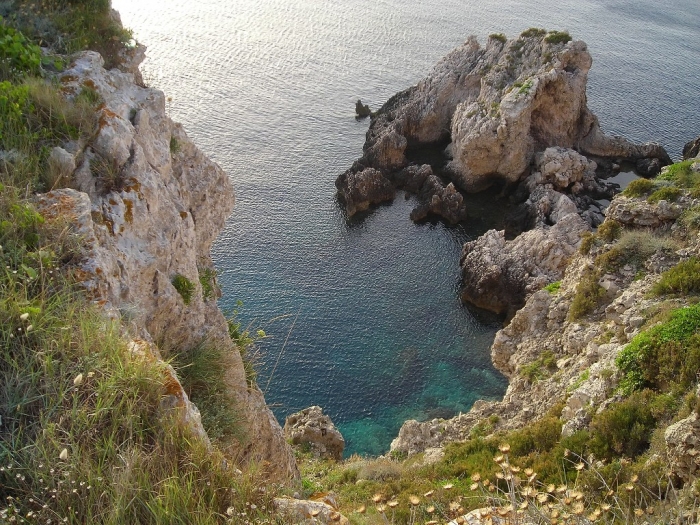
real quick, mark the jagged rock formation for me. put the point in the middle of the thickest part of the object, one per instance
(551, 358)
(311, 426)
(498, 106)
(148, 205)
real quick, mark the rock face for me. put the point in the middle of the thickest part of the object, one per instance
(311, 426)
(148, 206)
(692, 149)
(683, 447)
(550, 358)
(497, 106)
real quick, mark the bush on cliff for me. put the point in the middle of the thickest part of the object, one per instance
(684, 278)
(665, 357)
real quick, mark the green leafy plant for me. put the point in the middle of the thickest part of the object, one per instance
(533, 32)
(18, 56)
(207, 278)
(184, 287)
(664, 357)
(553, 288)
(500, 37)
(639, 188)
(684, 278)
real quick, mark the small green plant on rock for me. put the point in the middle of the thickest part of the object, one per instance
(533, 32)
(665, 193)
(184, 287)
(589, 294)
(207, 278)
(500, 37)
(557, 37)
(553, 288)
(684, 278)
(540, 368)
(638, 188)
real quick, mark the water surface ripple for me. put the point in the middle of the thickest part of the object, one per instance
(267, 88)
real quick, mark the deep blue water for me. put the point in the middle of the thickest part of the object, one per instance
(267, 88)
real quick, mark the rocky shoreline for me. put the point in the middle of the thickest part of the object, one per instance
(514, 114)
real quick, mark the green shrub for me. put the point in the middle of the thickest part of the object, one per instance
(553, 288)
(634, 248)
(589, 295)
(557, 37)
(18, 56)
(174, 145)
(207, 278)
(587, 243)
(665, 193)
(499, 37)
(681, 174)
(625, 428)
(540, 368)
(533, 32)
(665, 357)
(184, 287)
(684, 278)
(609, 231)
(639, 188)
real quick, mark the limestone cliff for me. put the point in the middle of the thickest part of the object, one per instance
(148, 205)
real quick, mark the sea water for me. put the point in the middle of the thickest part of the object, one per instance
(363, 316)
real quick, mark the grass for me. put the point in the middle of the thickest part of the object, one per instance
(633, 247)
(500, 37)
(588, 296)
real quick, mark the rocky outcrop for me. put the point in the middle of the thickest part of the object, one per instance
(692, 149)
(498, 275)
(683, 447)
(638, 213)
(498, 106)
(361, 189)
(148, 205)
(311, 426)
(550, 358)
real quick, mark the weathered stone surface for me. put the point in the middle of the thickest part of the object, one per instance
(498, 275)
(312, 426)
(146, 211)
(638, 213)
(444, 201)
(692, 149)
(498, 105)
(310, 512)
(683, 447)
(362, 189)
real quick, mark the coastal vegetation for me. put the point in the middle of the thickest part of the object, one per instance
(84, 439)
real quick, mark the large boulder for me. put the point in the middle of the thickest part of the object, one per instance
(361, 189)
(692, 149)
(500, 274)
(311, 426)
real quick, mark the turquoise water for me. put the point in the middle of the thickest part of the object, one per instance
(369, 309)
